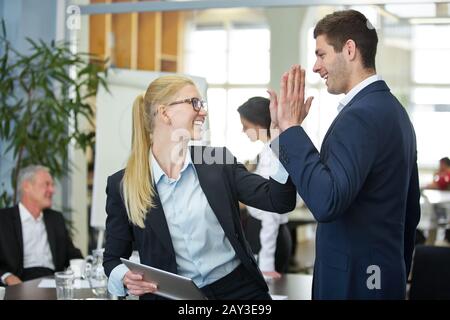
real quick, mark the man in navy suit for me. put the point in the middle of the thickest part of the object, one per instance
(362, 187)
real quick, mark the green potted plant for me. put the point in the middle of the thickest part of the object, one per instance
(43, 98)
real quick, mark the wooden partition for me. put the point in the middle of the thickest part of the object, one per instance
(145, 41)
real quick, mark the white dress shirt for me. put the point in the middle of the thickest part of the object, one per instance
(36, 249)
(270, 221)
(356, 89)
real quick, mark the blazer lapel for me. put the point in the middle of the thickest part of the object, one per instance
(379, 85)
(18, 231)
(331, 127)
(156, 220)
(211, 178)
(51, 237)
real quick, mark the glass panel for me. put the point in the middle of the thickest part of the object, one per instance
(431, 37)
(207, 65)
(322, 112)
(431, 96)
(214, 39)
(431, 129)
(412, 10)
(249, 58)
(217, 112)
(249, 67)
(431, 66)
(255, 40)
(210, 63)
(311, 77)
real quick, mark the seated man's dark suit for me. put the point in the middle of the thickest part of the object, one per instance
(11, 241)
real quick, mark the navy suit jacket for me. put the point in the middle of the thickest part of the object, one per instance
(224, 186)
(11, 241)
(363, 190)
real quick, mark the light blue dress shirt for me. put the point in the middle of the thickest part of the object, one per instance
(203, 252)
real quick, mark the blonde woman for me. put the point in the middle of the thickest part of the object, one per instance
(180, 204)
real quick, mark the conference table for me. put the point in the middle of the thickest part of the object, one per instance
(29, 290)
(289, 286)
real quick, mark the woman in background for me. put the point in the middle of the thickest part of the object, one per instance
(274, 237)
(179, 205)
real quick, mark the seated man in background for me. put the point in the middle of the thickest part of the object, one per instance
(441, 181)
(441, 178)
(34, 241)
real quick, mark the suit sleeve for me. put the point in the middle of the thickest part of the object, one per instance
(328, 186)
(265, 194)
(412, 217)
(119, 234)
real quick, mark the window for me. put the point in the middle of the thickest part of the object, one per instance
(324, 107)
(429, 96)
(237, 67)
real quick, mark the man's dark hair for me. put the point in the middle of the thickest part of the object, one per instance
(256, 110)
(340, 26)
(445, 161)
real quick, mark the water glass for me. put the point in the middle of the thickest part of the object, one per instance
(64, 281)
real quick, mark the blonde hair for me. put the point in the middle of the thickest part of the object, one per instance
(137, 183)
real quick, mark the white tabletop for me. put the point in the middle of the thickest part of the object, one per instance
(436, 196)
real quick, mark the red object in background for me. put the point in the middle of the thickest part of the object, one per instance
(443, 180)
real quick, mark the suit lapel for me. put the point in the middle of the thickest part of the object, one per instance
(18, 231)
(51, 236)
(211, 178)
(331, 127)
(156, 220)
(379, 85)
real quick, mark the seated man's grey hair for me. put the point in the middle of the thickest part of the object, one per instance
(27, 174)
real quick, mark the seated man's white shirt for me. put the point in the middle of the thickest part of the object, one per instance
(36, 249)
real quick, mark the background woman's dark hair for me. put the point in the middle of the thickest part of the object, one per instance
(256, 110)
(445, 161)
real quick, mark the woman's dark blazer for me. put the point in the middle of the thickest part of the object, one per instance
(225, 182)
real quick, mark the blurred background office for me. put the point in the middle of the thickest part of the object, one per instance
(241, 50)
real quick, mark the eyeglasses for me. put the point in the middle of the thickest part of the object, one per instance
(196, 103)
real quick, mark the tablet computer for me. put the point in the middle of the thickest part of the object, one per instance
(170, 285)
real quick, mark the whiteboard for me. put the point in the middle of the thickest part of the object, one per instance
(113, 129)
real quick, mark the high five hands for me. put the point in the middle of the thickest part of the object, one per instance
(291, 108)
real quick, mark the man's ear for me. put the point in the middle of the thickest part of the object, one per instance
(26, 185)
(350, 50)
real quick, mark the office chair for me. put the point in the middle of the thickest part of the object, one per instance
(430, 278)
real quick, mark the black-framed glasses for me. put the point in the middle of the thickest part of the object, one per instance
(196, 103)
